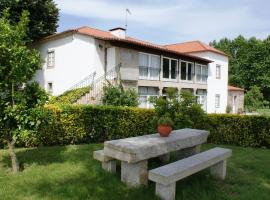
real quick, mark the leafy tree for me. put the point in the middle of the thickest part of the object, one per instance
(182, 108)
(117, 96)
(249, 61)
(43, 15)
(254, 99)
(18, 65)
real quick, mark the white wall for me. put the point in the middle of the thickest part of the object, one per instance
(76, 56)
(216, 86)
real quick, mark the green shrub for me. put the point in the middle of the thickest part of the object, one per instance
(117, 96)
(70, 96)
(74, 124)
(165, 121)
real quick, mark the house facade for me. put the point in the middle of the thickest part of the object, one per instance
(236, 99)
(73, 55)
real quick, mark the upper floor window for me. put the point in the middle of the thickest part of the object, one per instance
(51, 59)
(169, 68)
(218, 72)
(187, 71)
(201, 73)
(149, 66)
(217, 100)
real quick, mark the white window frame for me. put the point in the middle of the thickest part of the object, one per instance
(50, 90)
(170, 68)
(192, 71)
(218, 71)
(217, 101)
(201, 70)
(148, 96)
(149, 65)
(51, 58)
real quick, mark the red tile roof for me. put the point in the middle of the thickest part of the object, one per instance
(232, 88)
(193, 47)
(106, 35)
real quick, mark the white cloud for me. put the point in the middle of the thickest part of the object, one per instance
(184, 19)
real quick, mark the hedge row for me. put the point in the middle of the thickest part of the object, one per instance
(87, 124)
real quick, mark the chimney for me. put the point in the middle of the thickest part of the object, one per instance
(118, 32)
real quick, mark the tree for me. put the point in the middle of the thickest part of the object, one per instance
(254, 99)
(43, 15)
(249, 61)
(18, 65)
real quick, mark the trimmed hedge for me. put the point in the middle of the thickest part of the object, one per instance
(242, 130)
(75, 124)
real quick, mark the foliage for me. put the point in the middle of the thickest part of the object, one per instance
(118, 96)
(18, 65)
(249, 61)
(43, 15)
(183, 109)
(228, 109)
(254, 99)
(70, 96)
(252, 131)
(165, 121)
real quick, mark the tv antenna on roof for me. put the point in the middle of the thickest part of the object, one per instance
(127, 12)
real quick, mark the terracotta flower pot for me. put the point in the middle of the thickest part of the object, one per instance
(164, 131)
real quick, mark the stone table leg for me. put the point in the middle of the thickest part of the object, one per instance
(219, 170)
(185, 153)
(165, 192)
(134, 174)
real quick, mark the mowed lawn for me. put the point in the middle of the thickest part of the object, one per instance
(70, 172)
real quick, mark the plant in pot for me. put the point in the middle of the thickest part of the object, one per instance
(165, 124)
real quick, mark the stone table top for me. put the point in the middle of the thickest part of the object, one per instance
(140, 148)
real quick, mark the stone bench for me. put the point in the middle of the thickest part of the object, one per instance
(108, 163)
(166, 176)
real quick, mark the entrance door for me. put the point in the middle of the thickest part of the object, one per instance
(234, 104)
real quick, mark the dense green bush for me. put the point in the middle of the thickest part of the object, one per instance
(242, 130)
(70, 96)
(74, 124)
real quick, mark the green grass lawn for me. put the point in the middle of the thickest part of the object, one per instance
(265, 111)
(71, 173)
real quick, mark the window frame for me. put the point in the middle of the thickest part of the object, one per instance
(50, 64)
(149, 66)
(192, 71)
(170, 68)
(201, 73)
(218, 72)
(217, 103)
(50, 89)
(148, 96)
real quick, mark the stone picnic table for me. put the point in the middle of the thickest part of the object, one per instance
(135, 152)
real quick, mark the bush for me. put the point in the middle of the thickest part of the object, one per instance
(70, 96)
(242, 130)
(75, 124)
(254, 99)
(117, 96)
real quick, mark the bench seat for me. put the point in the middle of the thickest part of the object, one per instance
(166, 176)
(108, 163)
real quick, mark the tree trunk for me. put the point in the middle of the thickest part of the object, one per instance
(13, 157)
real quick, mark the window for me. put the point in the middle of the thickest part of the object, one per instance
(149, 66)
(218, 72)
(187, 69)
(145, 93)
(51, 59)
(201, 73)
(217, 100)
(50, 87)
(201, 96)
(169, 68)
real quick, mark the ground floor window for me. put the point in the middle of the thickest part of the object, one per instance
(201, 96)
(145, 93)
(217, 100)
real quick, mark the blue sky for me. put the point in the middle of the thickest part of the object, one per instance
(171, 21)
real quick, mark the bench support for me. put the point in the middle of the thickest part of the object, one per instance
(109, 166)
(165, 192)
(134, 174)
(219, 170)
(185, 153)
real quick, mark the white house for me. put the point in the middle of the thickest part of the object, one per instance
(83, 54)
